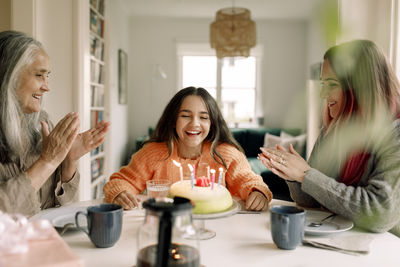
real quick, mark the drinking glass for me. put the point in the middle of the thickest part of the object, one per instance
(158, 188)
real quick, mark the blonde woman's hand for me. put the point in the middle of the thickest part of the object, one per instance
(256, 201)
(58, 142)
(287, 164)
(87, 141)
(126, 200)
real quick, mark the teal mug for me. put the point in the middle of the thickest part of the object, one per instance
(287, 226)
(104, 224)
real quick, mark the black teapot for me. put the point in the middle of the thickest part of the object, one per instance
(167, 237)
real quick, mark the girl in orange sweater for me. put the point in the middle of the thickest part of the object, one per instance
(191, 130)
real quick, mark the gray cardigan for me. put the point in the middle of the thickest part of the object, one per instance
(373, 202)
(17, 194)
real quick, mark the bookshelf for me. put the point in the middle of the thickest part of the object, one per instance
(98, 89)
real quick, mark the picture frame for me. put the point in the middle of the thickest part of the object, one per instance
(122, 77)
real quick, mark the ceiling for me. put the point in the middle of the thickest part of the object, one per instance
(260, 9)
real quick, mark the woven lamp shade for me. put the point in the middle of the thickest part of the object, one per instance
(233, 33)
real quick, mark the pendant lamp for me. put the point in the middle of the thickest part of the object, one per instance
(233, 33)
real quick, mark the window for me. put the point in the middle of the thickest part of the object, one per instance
(233, 83)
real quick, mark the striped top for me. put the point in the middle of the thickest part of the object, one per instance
(152, 163)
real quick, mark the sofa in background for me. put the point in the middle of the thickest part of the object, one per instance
(251, 139)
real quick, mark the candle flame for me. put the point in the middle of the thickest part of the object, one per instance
(212, 171)
(190, 167)
(177, 256)
(220, 169)
(177, 164)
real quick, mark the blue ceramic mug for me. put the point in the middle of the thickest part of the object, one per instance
(104, 224)
(287, 226)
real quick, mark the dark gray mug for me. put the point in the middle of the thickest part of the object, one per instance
(287, 226)
(104, 224)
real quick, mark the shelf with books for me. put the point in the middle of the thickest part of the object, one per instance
(98, 92)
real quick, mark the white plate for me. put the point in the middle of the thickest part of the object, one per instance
(59, 217)
(333, 225)
(231, 211)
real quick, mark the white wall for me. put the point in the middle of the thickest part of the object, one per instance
(372, 20)
(284, 72)
(153, 41)
(54, 31)
(117, 36)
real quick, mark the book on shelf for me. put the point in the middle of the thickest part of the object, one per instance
(97, 96)
(96, 48)
(94, 192)
(100, 7)
(94, 21)
(100, 193)
(101, 74)
(93, 3)
(97, 168)
(96, 116)
(96, 24)
(97, 150)
(96, 72)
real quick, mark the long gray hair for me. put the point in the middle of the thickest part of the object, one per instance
(20, 133)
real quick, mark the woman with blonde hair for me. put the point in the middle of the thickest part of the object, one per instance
(354, 168)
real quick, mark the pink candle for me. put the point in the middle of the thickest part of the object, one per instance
(212, 178)
(178, 164)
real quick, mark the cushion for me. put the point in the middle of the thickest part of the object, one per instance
(271, 140)
(298, 142)
(255, 138)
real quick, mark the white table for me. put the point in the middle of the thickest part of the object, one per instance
(241, 240)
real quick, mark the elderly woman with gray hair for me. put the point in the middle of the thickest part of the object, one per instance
(38, 162)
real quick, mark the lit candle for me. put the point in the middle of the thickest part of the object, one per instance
(178, 164)
(212, 178)
(192, 176)
(220, 175)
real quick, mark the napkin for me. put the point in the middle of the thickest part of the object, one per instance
(348, 243)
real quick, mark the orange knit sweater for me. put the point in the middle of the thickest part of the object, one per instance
(152, 163)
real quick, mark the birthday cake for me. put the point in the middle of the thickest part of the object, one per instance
(206, 197)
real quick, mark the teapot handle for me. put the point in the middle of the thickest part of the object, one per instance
(164, 239)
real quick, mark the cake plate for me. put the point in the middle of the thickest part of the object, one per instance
(199, 219)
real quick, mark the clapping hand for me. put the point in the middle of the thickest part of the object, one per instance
(58, 142)
(287, 164)
(87, 141)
